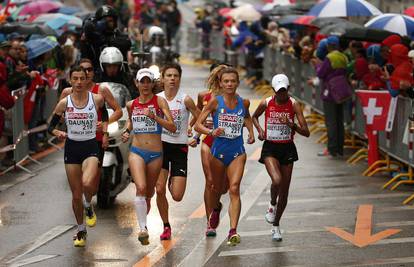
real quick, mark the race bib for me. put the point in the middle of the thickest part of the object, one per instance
(278, 132)
(232, 125)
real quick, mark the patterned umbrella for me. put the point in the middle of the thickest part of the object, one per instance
(344, 8)
(38, 47)
(69, 20)
(401, 24)
(39, 7)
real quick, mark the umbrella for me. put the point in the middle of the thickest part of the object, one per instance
(325, 21)
(296, 20)
(245, 13)
(366, 34)
(224, 11)
(270, 5)
(296, 9)
(409, 11)
(69, 10)
(401, 24)
(339, 28)
(343, 8)
(39, 7)
(69, 20)
(38, 47)
(26, 29)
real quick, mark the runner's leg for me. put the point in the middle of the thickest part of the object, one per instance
(286, 171)
(235, 174)
(162, 202)
(74, 174)
(273, 169)
(210, 196)
(90, 169)
(138, 172)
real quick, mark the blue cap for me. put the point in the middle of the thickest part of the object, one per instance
(333, 40)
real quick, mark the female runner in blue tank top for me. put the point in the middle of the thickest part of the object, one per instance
(230, 114)
(148, 113)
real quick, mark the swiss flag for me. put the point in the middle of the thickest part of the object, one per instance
(379, 110)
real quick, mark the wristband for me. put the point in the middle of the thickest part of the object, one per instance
(127, 131)
(210, 133)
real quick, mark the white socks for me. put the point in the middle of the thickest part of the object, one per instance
(81, 227)
(85, 203)
(141, 209)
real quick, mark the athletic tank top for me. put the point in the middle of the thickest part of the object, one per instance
(231, 120)
(275, 131)
(142, 124)
(95, 90)
(180, 116)
(209, 120)
(81, 122)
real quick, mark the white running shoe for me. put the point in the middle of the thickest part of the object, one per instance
(270, 214)
(276, 234)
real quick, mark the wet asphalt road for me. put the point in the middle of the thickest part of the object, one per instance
(37, 221)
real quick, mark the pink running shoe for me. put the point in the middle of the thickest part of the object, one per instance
(166, 235)
(214, 218)
(210, 232)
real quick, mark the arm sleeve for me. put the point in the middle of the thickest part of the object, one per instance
(52, 125)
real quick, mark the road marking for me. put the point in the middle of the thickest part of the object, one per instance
(206, 248)
(245, 252)
(355, 197)
(37, 258)
(363, 236)
(339, 212)
(43, 239)
(256, 154)
(267, 232)
(370, 262)
(200, 212)
(158, 253)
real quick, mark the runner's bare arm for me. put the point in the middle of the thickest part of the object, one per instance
(110, 99)
(209, 108)
(126, 133)
(303, 125)
(248, 121)
(257, 113)
(195, 112)
(168, 122)
(57, 115)
(100, 102)
(65, 92)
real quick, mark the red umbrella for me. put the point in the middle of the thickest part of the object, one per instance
(39, 7)
(304, 20)
(224, 11)
(409, 11)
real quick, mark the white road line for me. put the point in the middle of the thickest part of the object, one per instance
(34, 259)
(206, 248)
(44, 238)
(369, 262)
(354, 197)
(267, 232)
(341, 211)
(244, 252)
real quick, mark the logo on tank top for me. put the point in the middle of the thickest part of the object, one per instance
(69, 109)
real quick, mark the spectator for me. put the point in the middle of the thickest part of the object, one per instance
(173, 23)
(402, 76)
(17, 72)
(332, 73)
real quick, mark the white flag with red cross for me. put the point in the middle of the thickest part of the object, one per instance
(379, 109)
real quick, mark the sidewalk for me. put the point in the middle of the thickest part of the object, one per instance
(324, 193)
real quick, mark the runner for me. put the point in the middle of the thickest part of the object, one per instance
(175, 145)
(146, 117)
(215, 186)
(279, 151)
(230, 113)
(81, 147)
(96, 88)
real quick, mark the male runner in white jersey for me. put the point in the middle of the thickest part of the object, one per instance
(175, 145)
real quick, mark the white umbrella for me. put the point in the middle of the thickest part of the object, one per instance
(401, 24)
(245, 13)
(270, 6)
(343, 8)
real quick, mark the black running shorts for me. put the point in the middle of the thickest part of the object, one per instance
(285, 153)
(175, 158)
(77, 151)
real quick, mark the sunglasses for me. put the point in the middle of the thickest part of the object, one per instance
(90, 69)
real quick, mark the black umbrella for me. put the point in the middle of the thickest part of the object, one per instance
(370, 35)
(285, 10)
(325, 21)
(27, 29)
(339, 28)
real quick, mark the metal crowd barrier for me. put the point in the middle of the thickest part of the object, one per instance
(398, 143)
(20, 146)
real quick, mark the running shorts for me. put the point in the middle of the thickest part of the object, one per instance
(285, 153)
(175, 158)
(77, 151)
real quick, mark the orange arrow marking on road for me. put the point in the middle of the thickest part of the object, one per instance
(362, 236)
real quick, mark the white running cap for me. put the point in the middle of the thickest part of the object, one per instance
(145, 72)
(280, 81)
